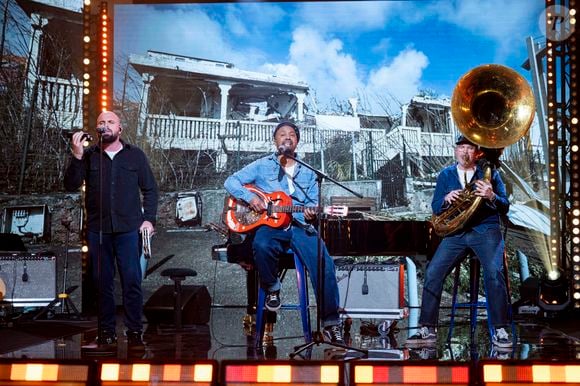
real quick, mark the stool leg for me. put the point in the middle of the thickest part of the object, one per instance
(454, 302)
(509, 295)
(303, 298)
(177, 306)
(473, 295)
(260, 317)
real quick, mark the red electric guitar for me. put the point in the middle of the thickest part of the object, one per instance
(240, 218)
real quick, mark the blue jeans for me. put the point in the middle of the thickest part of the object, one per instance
(269, 243)
(123, 250)
(488, 246)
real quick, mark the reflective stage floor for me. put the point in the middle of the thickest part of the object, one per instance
(226, 337)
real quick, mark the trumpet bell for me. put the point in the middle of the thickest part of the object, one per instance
(493, 106)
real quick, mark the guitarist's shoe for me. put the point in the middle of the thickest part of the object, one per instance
(273, 302)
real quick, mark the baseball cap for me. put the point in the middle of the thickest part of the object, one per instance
(290, 124)
(463, 140)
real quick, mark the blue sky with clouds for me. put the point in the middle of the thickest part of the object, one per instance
(380, 50)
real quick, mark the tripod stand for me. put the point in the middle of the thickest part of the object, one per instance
(317, 336)
(63, 298)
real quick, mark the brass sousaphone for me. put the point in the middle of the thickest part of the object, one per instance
(493, 106)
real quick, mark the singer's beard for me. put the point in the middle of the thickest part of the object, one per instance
(109, 138)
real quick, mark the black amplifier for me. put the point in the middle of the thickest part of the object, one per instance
(28, 279)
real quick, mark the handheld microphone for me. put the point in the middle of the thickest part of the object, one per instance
(86, 136)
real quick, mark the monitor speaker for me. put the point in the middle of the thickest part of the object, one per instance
(195, 305)
(372, 290)
(28, 279)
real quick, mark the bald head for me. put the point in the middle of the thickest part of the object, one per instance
(109, 127)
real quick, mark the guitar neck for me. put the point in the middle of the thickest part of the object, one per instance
(292, 208)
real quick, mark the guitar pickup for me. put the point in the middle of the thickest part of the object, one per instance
(269, 208)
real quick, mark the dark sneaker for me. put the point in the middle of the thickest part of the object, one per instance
(273, 301)
(333, 334)
(135, 339)
(423, 353)
(425, 337)
(502, 338)
(108, 338)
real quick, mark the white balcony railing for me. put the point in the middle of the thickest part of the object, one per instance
(190, 133)
(59, 101)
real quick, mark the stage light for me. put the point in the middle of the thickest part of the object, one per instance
(381, 373)
(554, 292)
(198, 373)
(553, 275)
(526, 374)
(281, 372)
(34, 373)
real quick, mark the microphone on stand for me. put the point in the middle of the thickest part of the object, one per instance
(101, 130)
(365, 286)
(284, 150)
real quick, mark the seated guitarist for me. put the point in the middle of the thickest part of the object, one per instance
(275, 173)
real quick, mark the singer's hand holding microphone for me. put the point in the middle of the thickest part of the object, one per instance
(78, 144)
(78, 139)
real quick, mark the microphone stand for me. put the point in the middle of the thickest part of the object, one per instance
(317, 336)
(100, 250)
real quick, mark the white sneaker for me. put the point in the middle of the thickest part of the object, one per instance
(502, 338)
(426, 336)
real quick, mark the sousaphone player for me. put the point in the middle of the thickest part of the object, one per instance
(493, 107)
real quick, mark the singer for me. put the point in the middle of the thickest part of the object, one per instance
(116, 174)
(277, 172)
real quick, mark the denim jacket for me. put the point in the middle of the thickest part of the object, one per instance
(268, 175)
(487, 216)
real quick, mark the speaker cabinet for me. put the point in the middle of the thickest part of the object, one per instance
(372, 290)
(28, 279)
(195, 305)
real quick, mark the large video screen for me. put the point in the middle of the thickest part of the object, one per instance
(383, 52)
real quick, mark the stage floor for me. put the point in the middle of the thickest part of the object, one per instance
(226, 338)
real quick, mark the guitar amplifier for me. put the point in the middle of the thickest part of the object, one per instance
(372, 290)
(28, 279)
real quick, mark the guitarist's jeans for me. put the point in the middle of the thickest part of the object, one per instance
(269, 243)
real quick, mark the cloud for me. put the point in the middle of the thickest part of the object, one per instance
(398, 81)
(176, 30)
(334, 75)
(353, 16)
(505, 22)
(324, 64)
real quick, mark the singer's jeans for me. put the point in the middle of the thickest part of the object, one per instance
(269, 243)
(122, 250)
(488, 246)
